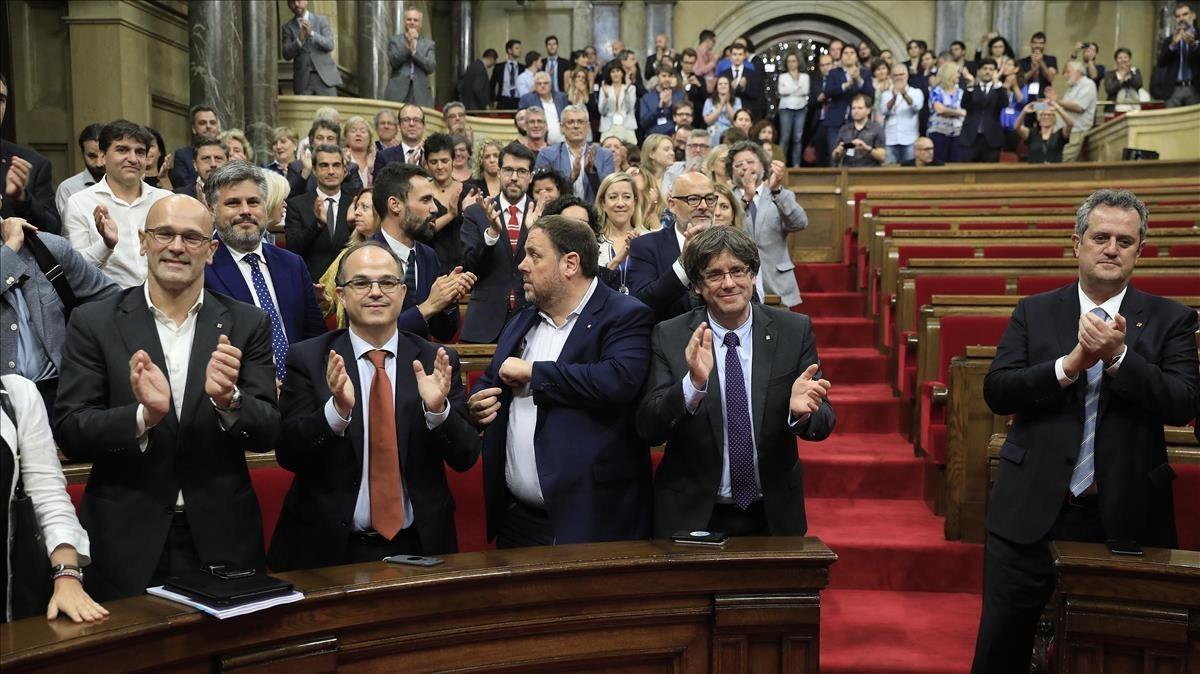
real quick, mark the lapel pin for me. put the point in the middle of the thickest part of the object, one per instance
(768, 338)
(219, 326)
(589, 326)
(1139, 324)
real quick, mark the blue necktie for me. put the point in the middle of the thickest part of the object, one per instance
(753, 210)
(1085, 466)
(279, 343)
(737, 423)
(410, 278)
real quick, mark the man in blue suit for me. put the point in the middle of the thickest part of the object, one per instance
(562, 461)
(654, 108)
(542, 97)
(403, 198)
(271, 278)
(841, 86)
(583, 164)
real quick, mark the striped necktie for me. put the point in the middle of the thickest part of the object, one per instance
(1085, 466)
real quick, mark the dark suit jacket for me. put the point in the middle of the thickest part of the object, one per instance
(651, 278)
(593, 470)
(1156, 384)
(649, 112)
(752, 95)
(297, 304)
(443, 325)
(1166, 72)
(498, 71)
(985, 109)
(563, 66)
(183, 170)
(38, 206)
(130, 495)
(351, 183)
(388, 155)
(315, 523)
(685, 486)
(474, 89)
(310, 239)
(495, 269)
(837, 100)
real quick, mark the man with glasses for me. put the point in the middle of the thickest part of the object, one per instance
(656, 274)
(535, 128)
(762, 367)
(269, 277)
(772, 212)
(164, 388)
(695, 150)
(584, 164)
(371, 416)
(412, 136)
(922, 154)
(493, 244)
(550, 103)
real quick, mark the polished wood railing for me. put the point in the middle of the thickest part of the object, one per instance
(753, 606)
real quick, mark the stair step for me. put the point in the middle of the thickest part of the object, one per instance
(870, 408)
(817, 304)
(844, 331)
(853, 366)
(818, 277)
(865, 465)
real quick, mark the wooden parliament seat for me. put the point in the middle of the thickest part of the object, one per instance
(753, 606)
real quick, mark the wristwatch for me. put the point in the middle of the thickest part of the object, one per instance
(235, 401)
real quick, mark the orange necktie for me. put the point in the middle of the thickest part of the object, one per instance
(387, 503)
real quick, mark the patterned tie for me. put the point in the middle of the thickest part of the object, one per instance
(410, 274)
(552, 62)
(387, 503)
(737, 421)
(330, 216)
(514, 227)
(1085, 466)
(279, 343)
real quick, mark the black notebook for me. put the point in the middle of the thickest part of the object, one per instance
(215, 591)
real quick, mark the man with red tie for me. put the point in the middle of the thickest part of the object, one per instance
(370, 415)
(493, 244)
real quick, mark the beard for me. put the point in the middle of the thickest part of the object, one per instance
(421, 230)
(97, 172)
(239, 241)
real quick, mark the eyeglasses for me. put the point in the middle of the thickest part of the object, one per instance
(698, 146)
(510, 171)
(165, 237)
(715, 278)
(412, 120)
(387, 284)
(693, 200)
(574, 122)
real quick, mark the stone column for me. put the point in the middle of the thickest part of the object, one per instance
(1006, 20)
(215, 58)
(373, 30)
(260, 53)
(462, 54)
(660, 17)
(606, 27)
(948, 25)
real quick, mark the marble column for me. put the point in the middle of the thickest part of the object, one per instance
(462, 16)
(948, 25)
(373, 30)
(606, 27)
(1006, 20)
(660, 17)
(261, 69)
(215, 58)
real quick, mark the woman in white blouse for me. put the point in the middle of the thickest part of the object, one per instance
(29, 449)
(617, 103)
(792, 86)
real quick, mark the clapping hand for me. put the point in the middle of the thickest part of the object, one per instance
(489, 209)
(516, 372)
(150, 388)
(808, 393)
(339, 384)
(17, 178)
(105, 225)
(699, 356)
(435, 386)
(778, 171)
(221, 375)
(484, 405)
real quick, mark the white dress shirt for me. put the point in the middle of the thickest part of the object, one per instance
(243, 266)
(544, 341)
(525, 82)
(488, 238)
(900, 122)
(76, 183)
(337, 204)
(793, 91)
(124, 263)
(402, 250)
(366, 376)
(553, 124)
(1111, 306)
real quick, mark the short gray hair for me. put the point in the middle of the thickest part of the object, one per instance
(534, 110)
(575, 107)
(1122, 199)
(711, 243)
(1076, 66)
(453, 104)
(232, 173)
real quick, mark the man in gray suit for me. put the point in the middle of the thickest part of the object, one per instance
(29, 302)
(412, 60)
(771, 212)
(307, 43)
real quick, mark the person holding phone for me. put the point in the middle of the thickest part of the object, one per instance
(1045, 142)
(860, 142)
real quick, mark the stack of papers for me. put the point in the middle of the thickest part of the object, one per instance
(227, 611)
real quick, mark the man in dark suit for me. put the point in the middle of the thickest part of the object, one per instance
(555, 65)
(269, 277)
(25, 177)
(841, 86)
(410, 149)
(982, 135)
(656, 274)
(164, 387)
(732, 384)
(183, 165)
(208, 154)
(814, 134)
(493, 244)
(308, 44)
(474, 89)
(318, 225)
(367, 485)
(1092, 372)
(562, 461)
(403, 198)
(746, 80)
(504, 77)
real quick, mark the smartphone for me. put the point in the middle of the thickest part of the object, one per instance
(225, 571)
(715, 539)
(413, 560)
(1125, 548)
(1038, 107)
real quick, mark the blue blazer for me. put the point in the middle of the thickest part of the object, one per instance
(444, 325)
(293, 288)
(558, 157)
(593, 469)
(651, 277)
(839, 101)
(649, 112)
(532, 100)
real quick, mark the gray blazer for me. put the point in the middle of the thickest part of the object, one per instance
(45, 309)
(776, 217)
(315, 52)
(422, 62)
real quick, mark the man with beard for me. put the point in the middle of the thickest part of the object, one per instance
(204, 125)
(403, 198)
(93, 167)
(317, 224)
(210, 154)
(562, 461)
(269, 277)
(695, 150)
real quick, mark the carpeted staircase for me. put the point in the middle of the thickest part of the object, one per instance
(902, 598)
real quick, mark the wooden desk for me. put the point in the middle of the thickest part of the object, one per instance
(1121, 614)
(636, 606)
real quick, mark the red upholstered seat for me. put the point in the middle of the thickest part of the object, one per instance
(1032, 285)
(888, 229)
(1168, 286)
(907, 253)
(1185, 250)
(271, 485)
(1018, 251)
(1171, 222)
(1186, 490)
(1057, 224)
(470, 515)
(957, 333)
(975, 226)
(1150, 250)
(75, 491)
(473, 378)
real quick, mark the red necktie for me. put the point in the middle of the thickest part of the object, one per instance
(514, 228)
(387, 502)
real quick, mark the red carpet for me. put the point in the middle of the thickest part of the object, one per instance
(902, 598)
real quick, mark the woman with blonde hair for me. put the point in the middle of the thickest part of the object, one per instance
(239, 147)
(366, 223)
(486, 165)
(275, 205)
(945, 123)
(621, 221)
(359, 138)
(652, 202)
(461, 159)
(714, 165)
(658, 153)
